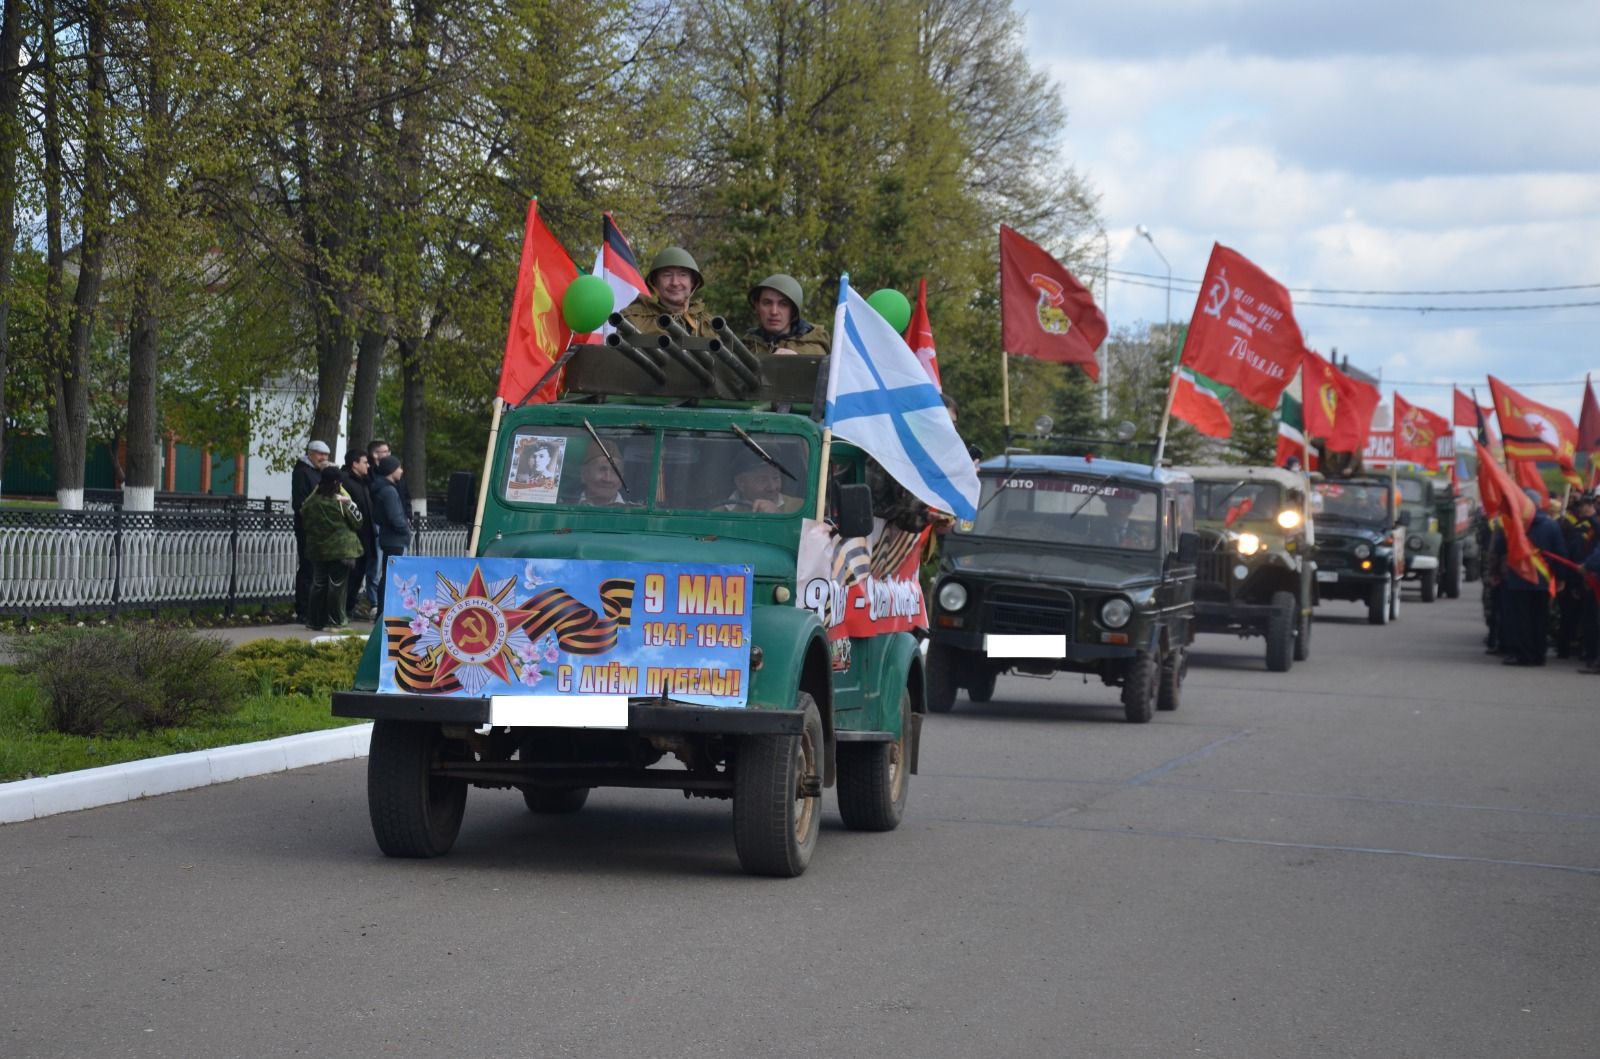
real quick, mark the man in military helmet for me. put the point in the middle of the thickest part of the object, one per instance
(777, 301)
(674, 280)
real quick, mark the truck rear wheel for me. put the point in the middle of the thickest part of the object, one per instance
(874, 777)
(1280, 633)
(940, 673)
(1139, 689)
(1378, 603)
(1450, 573)
(1429, 580)
(414, 813)
(1169, 696)
(777, 797)
(1302, 634)
(555, 799)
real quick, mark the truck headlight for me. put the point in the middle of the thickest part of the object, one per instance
(1289, 518)
(1115, 612)
(952, 595)
(1248, 544)
(1362, 551)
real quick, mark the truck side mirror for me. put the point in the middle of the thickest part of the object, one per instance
(461, 500)
(855, 510)
(1403, 519)
(1188, 547)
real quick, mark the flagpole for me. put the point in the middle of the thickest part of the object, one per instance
(1166, 417)
(822, 487)
(483, 479)
(1005, 396)
(1305, 460)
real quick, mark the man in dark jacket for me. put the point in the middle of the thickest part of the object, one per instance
(302, 483)
(1525, 632)
(389, 518)
(357, 475)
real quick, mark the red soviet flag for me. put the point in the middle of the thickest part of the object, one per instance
(1533, 431)
(1417, 432)
(1044, 311)
(1503, 499)
(1338, 408)
(537, 333)
(919, 334)
(1466, 411)
(1243, 333)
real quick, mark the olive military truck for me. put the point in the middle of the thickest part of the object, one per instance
(1073, 564)
(1439, 545)
(1255, 566)
(635, 595)
(1357, 555)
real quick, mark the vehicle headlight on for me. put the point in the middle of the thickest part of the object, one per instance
(1248, 544)
(1115, 612)
(1289, 518)
(1362, 551)
(1414, 542)
(952, 595)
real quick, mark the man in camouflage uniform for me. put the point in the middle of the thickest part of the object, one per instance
(674, 279)
(777, 301)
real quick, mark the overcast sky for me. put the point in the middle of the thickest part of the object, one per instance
(1401, 146)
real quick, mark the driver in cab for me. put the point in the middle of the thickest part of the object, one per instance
(1122, 530)
(602, 485)
(758, 487)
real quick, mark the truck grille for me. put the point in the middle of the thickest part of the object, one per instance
(1030, 611)
(1213, 568)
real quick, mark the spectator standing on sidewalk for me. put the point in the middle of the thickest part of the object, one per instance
(1525, 630)
(332, 546)
(303, 482)
(357, 476)
(389, 518)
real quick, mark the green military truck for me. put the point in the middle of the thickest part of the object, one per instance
(1255, 566)
(1072, 565)
(1441, 550)
(653, 602)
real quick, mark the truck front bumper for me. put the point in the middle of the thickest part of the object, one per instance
(665, 716)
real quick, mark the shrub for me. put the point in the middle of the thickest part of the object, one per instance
(114, 681)
(298, 667)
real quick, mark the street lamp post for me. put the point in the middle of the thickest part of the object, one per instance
(1172, 361)
(1145, 233)
(1105, 307)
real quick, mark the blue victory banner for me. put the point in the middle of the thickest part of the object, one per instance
(489, 627)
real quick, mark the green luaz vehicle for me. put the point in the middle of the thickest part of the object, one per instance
(1073, 565)
(1256, 568)
(634, 597)
(1357, 555)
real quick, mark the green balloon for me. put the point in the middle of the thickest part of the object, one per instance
(892, 306)
(586, 304)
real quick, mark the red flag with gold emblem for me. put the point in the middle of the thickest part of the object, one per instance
(1417, 432)
(1502, 498)
(1338, 408)
(1044, 311)
(1533, 431)
(537, 334)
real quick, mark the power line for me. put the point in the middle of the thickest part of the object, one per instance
(1389, 293)
(1403, 308)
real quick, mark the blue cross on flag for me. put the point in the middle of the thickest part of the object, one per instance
(881, 399)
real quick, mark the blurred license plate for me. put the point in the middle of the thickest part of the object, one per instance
(1327, 575)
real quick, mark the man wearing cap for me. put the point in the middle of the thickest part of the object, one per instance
(602, 486)
(302, 483)
(758, 487)
(673, 279)
(777, 301)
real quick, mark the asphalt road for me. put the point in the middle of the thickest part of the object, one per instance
(1391, 851)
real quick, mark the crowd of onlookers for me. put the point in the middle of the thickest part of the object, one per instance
(1527, 617)
(347, 520)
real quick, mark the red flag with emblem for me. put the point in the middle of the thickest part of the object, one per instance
(1243, 333)
(1504, 500)
(1465, 411)
(537, 333)
(919, 334)
(1417, 432)
(1044, 311)
(1533, 431)
(1338, 408)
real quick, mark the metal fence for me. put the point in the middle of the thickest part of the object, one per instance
(109, 561)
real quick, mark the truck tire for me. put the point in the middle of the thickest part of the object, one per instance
(414, 813)
(981, 687)
(1378, 603)
(940, 670)
(1169, 696)
(1139, 689)
(1302, 634)
(874, 777)
(1280, 633)
(1450, 573)
(554, 799)
(777, 797)
(1470, 570)
(1394, 599)
(1429, 580)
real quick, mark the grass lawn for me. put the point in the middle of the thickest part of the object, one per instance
(29, 748)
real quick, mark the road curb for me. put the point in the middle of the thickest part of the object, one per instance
(70, 791)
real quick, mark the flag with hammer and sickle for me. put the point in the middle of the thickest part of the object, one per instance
(537, 334)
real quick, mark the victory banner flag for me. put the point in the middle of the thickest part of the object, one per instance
(537, 334)
(1533, 431)
(1197, 401)
(1417, 433)
(1044, 311)
(1243, 333)
(1338, 408)
(881, 399)
(919, 334)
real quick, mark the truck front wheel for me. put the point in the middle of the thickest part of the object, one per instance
(1280, 633)
(777, 797)
(1429, 581)
(1139, 689)
(414, 813)
(873, 778)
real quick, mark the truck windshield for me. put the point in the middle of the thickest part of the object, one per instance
(1412, 491)
(1229, 502)
(1109, 514)
(1360, 501)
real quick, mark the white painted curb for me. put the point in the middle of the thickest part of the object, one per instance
(71, 791)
